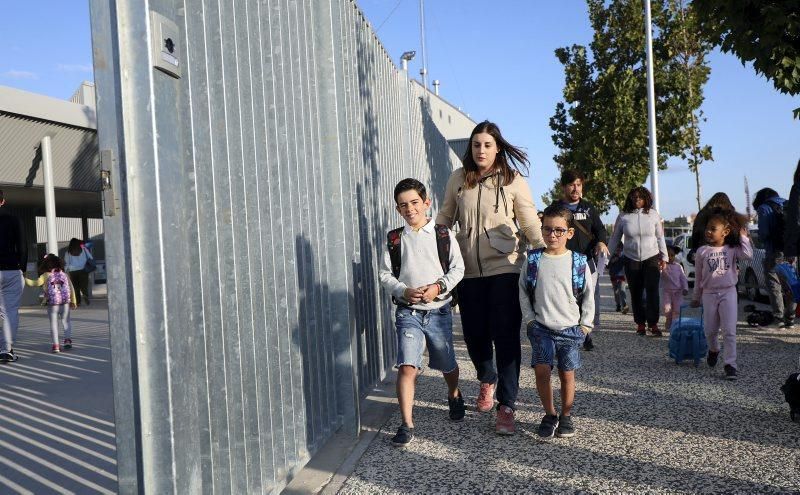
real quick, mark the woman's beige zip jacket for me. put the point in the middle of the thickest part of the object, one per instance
(495, 224)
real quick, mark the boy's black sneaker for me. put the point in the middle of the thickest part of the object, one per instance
(403, 437)
(588, 345)
(730, 372)
(456, 407)
(712, 358)
(547, 428)
(8, 357)
(618, 309)
(565, 428)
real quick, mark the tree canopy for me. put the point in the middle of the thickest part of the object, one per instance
(766, 33)
(601, 126)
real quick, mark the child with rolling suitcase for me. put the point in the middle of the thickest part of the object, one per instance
(715, 285)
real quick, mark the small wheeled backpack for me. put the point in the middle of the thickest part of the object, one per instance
(791, 390)
(687, 340)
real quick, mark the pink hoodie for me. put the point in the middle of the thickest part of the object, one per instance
(715, 267)
(673, 278)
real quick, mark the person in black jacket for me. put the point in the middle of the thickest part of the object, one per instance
(791, 212)
(13, 258)
(590, 236)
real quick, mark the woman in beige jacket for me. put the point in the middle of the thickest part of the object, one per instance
(490, 200)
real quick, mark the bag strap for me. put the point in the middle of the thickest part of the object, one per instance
(534, 257)
(578, 276)
(583, 229)
(455, 214)
(443, 246)
(393, 245)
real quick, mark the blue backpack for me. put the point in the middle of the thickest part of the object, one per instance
(788, 276)
(687, 340)
(578, 274)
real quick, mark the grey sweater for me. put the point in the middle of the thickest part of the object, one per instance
(556, 307)
(644, 235)
(419, 265)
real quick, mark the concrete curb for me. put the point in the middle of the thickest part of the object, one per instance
(329, 469)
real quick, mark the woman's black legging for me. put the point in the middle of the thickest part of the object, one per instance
(643, 278)
(491, 319)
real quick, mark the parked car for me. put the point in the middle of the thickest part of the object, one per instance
(752, 282)
(684, 242)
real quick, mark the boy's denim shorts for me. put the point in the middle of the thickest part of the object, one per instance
(548, 344)
(417, 329)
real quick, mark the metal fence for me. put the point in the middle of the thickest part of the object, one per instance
(246, 213)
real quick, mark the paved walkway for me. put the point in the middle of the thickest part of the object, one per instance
(644, 425)
(57, 413)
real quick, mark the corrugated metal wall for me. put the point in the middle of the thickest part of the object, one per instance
(67, 228)
(251, 201)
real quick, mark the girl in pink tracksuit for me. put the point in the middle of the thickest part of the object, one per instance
(674, 285)
(715, 285)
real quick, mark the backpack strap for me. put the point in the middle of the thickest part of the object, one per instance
(443, 246)
(393, 245)
(534, 257)
(578, 276)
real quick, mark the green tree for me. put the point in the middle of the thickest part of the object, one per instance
(601, 126)
(766, 33)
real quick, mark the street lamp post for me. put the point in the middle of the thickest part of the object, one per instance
(651, 105)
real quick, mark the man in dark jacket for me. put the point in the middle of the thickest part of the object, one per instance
(771, 225)
(13, 258)
(791, 212)
(590, 236)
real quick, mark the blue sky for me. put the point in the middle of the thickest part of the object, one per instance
(494, 61)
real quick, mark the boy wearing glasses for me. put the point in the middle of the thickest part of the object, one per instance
(556, 295)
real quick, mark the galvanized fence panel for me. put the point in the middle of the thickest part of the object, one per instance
(245, 231)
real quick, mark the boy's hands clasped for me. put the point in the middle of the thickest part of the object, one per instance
(425, 294)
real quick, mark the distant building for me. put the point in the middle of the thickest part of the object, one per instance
(25, 119)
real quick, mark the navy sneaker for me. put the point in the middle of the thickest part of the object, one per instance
(8, 357)
(730, 372)
(565, 428)
(547, 428)
(712, 358)
(403, 437)
(456, 407)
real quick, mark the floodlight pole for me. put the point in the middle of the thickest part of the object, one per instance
(651, 105)
(424, 70)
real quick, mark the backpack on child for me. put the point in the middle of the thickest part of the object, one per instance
(687, 340)
(788, 276)
(58, 291)
(393, 243)
(578, 274)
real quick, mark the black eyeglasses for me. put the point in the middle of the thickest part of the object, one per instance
(558, 231)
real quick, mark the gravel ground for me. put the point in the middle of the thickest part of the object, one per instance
(644, 425)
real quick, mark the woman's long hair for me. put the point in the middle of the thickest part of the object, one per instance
(74, 247)
(638, 192)
(509, 161)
